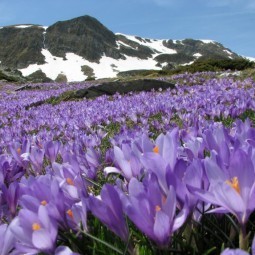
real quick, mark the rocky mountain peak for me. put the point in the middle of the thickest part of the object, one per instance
(83, 48)
(84, 36)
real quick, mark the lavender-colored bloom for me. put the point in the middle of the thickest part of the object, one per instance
(20, 152)
(166, 146)
(69, 179)
(64, 250)
(233, 190)
(34, 232)
(46, 191)
(43, 190)
(234, 252)
(152, 211)
(52, 149)
(184, 177)
(108, 208)
(36, 158)
(128, 164)
(76, 216)
(9, 169)
(6, 240)
(11, 196)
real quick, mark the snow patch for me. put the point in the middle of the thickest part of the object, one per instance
(156, 45)
(186, 64)
(56, 65)
(197, 55)
(227, 51)
(71, 67)
(23, 26)
(207, 41)
(164, 64)
(120, 43)
(250, 58)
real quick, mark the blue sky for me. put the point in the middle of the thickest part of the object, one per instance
(230, 22)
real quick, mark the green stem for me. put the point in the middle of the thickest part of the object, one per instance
(103, 242)
(243, 239)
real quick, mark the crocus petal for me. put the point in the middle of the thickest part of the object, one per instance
(161, 227)
(63, 250)
(135, 187)
(170, 203)
(8, 240)
(41, 240)
(111, 170)
(213, 172)
(234, 252)
(181, 217)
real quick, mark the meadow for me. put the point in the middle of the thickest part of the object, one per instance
(160, 172)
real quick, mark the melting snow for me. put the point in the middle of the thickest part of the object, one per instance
(207, 41)
(107, 67)
(250, 58)
(186, 64)
(197, 55)
(119, 43)
(71, 67)
(23, 26)
(227, 51)
(156, 45)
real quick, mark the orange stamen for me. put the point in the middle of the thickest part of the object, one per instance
(36, 227)
(70, 213)
(156, 149)
(19, 150)
(234, 183)
(69, 181)
(157, 208)
(44, 202)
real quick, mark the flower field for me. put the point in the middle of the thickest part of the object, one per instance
(160, 172)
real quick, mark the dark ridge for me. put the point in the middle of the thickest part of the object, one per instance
(84, 36)
(110, 88)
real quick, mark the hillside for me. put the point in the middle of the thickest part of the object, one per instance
(83, 48)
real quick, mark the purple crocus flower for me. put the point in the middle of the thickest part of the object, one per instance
(186, 176)
(64, 250)
(20, 152)
(108, 208)
(69, 179)
(128, 165)
(52, 149)
(7, 240)
(9, 169)
(46, 191)
(42, 190)
(234, 252)
(153, 211)
(36, 158)
(11, 196)
(233, 190)
(34, 232)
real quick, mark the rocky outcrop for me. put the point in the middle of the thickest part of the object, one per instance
(123, 87)
(25, 45)
(11, 75)
(20, 47)
(84, 36)
(133, 49)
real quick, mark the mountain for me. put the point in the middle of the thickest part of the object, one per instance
(83, 48)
